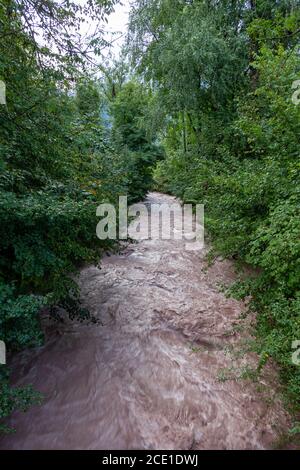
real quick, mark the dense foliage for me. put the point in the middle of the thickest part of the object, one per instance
(59, 160)
(129, 110)
(224, 71)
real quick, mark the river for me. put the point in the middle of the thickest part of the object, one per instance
(152, 374)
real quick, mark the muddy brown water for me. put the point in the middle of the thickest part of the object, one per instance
(152, 375)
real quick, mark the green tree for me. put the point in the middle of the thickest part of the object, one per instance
(130, 113)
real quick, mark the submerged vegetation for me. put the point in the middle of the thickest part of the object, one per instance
(204, 100)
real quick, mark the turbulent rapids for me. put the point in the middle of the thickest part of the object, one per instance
(150, 374)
